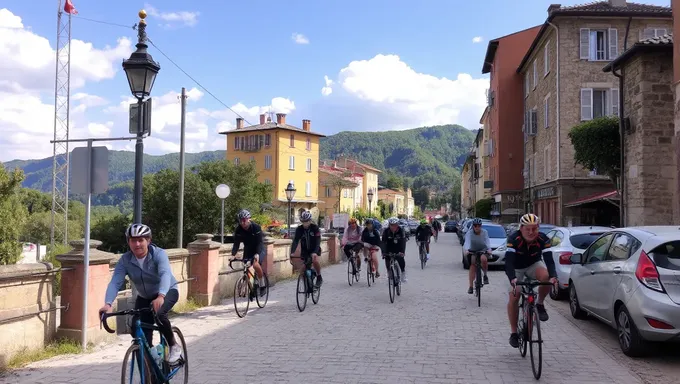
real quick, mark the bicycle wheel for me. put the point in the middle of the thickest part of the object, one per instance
(262, 297)
(535, 344)
(422, 258)
(351, 270)
(357, 275)
(132, 367)
(398, 279)
(369, 271)
(316, 291)
(391, 285)
(522, 326)
(179, 372)
(301, 296)
(478, 283)
(242, 291)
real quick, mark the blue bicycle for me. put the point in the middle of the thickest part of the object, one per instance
(156, 368)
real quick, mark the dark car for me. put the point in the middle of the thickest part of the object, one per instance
(451, 226)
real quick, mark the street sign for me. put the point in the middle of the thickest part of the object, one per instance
(81, 161)
(146, 115)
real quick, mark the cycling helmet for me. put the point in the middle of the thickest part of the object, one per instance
(138, 230)
(476, 221)
(243, 214)
(392, 221)
(529, 219)
(305, 216)
(368, 221)
(352, 221)
(423, 221)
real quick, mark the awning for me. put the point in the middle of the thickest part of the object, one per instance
(611, 197)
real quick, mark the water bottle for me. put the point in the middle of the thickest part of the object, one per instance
(158, 352)
(309, 273)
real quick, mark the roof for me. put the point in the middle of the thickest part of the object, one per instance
(613, 195)
(659, 43)
(596, 9)
(484, 114)
(270, 126)
(493, 46)
(339, 171)
(387, 191)
(362, 165)
(581, 229)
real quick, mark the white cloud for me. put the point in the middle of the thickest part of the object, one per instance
(173, 19)
(477, 39)
(327, 90)
(299, 38)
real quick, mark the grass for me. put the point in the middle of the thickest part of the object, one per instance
(188, 306)
(55, 348)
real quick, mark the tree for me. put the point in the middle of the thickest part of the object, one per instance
(421, 197)
(12, 215)
(482, 208)
(597, 146)
(392, 181)
(336, 181)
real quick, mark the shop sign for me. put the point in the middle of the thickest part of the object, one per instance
(545, 193)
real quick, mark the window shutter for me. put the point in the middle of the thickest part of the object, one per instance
(586, 104)
(615, 101)
(585, 44)
(534, 121)
(613, 43)
(236, 143)
(535, 76)
(546, 113)
(546, 58)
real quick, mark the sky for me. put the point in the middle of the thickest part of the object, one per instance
(346, 65)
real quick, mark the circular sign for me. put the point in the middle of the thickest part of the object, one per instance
(222, 191)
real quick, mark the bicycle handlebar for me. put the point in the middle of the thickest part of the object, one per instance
(239, 260)
(103, 316)
(533, 283)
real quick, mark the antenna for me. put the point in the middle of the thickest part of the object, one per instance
(271, 115)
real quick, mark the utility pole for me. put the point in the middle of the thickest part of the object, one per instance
(180, 208)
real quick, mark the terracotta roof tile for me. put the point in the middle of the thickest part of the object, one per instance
(603, 6)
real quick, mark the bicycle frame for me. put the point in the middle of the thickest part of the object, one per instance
(246, 270)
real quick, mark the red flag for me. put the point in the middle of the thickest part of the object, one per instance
(70, 8)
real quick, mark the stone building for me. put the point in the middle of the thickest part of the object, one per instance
(650, 170)
(564, 85)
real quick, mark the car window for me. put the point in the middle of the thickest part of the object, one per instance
(621, 248)
(583, 240)
(495, 231)
(667, 255)
(598, 249)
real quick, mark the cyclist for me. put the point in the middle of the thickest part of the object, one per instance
(394, 241)
(250, 234)
(423, 234)
(351, 239)
(437, 226)
(148, 268)
(477, 240)
(308, 237)
(370, 237)
(523, 258)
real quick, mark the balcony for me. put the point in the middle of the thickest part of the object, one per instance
(252, 148)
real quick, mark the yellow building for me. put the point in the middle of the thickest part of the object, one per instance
(330, 186)
(282, 153)
(369, 182)
(395, 201)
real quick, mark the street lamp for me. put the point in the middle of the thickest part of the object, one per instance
(290, 194)
(370, 201)
(222, 192)
(141, 71)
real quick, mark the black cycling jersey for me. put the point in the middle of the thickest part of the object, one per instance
(522, 254)
(423, 232)
(437, 225)
(252, 239)
(394, 242)
(309, 240)
(371, 236)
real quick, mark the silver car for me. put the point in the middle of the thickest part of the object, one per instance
(497, 239)
(629, 278)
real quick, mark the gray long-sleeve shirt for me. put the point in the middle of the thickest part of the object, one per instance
(476, 243)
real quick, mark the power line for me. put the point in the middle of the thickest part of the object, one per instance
(134, 26)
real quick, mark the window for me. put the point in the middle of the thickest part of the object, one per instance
(532, 122)
(620, 248)
(242, 143)
(329, 192)
(546, 59)
(546, 112)
(268, 140)
(534, 74)
(344, 193)
(526, 85)
(667, 256)
(308, 188)
(268, 162)
(267, 181)
(236, 141)
(583, 240)
(599, 44)
(237, 161)
(598, 249)
(309, 144)
(292, 141)
(599, 102)
(309, 165)
(546, 163)
(649, 33)
(252, 158)
(291, 163)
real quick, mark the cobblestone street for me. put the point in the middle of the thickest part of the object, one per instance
(433, 333)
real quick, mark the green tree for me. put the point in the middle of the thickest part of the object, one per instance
(110, 230)
(392, 181)
(597, 147)
(421, 197)
(12, 215)
(482, 208)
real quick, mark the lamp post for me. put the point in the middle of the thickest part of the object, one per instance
(222, 191)
(370, 201)
(290, 194)
(141, 71)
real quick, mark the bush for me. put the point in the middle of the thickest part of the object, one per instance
(483, 207)
(597, 146)
(51, 257)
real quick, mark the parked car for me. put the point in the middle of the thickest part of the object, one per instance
(629, 278)
(545, 228)
(451, 226)
(413, 225)
(510, 228)
(497, 238)
(466, 227)
(404, 226)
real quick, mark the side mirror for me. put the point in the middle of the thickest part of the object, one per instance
(576, 258)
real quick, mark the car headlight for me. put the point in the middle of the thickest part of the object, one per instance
(502, 248)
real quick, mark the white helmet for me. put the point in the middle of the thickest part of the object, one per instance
(138, 230)
(392, 221)
(529, 219)
(305, 216)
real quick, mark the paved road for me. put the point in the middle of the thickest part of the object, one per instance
(433, 333)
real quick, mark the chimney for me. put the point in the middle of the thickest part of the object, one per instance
(617, 3)
(262, 118)
(306, 125)
(239, 122)
(553, 7)
(280, 118)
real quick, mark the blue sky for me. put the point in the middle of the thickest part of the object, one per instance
(244, 52)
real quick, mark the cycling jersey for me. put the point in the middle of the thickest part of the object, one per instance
(252, 239)
(423, 232)
(394, 242)
(437, 225)
(521, 254)
(309, 239)
(477, 243)
(371, 236)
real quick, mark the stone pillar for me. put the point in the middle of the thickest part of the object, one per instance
(72, 290)
(268, 262)
(334, 254)
(204, 266)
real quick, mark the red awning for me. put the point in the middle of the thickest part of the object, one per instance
(613, 195)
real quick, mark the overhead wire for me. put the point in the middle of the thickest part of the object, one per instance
(134, 27)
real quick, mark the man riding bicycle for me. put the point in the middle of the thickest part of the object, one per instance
(148, 268)
(250, 234)
(370, 237)
(352, 239)
(423, 234)
(394, 241)
(477, 240)
(437, 226)
(308, 237)
(524, 258)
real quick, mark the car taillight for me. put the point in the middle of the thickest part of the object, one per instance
(647, 274)
(658, 324)
(565, 258)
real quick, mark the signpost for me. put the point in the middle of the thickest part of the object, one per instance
(145, 116)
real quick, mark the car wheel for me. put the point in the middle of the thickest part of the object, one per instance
(574, 306)
(630, 341)
(466, 265)
(557, 293)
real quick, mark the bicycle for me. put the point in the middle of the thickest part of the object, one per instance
(353, 271)
(478, 276)
(247, 286)
(156, 368)
(423, 254)
(370, 273)
(393, 276)
(306, 285)
(436, 235)
(527, 321)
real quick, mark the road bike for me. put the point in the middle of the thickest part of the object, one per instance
(527, 323)
(155, 367)
(370, 273)
(423, 254)
(307, 284)
(353, 270)
(478, 276)
(248, 287)
(393, 276)
(436, 235)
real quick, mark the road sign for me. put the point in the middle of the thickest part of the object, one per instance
(146, 115)
(97, 162)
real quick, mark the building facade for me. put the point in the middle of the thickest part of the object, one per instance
(395, 201)
(503, 122)
(465, 187)
(564, 85)
(333, 198)
(368, 184)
